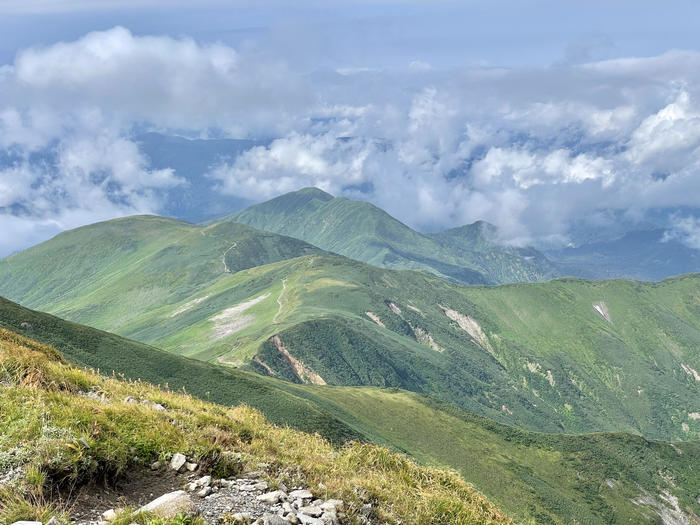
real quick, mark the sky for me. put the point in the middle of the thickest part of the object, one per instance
(537, 116)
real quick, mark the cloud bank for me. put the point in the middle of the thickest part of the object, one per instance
(531, 150)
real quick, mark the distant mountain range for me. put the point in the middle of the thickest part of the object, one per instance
(533, 477)
(563, 356)
(361, 231)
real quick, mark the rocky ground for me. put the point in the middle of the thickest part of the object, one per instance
(178, 488)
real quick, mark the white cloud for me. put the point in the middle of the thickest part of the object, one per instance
(686, 230)
(530, 150)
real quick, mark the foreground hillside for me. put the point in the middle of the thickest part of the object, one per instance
(361, 231)
(600, 478)
(55, 435)
(564, 356)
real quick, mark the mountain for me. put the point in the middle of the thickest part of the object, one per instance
(70, 435)
(564, 356)
(363, 232)
(600, 478)
(649, 255)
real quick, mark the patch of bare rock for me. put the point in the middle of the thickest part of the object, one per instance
(245, 500)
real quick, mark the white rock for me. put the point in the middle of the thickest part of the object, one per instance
(204, 492)
(191, 466)
(300, 494)
(241, 518)
(204, 481)
(311, 510)
(171, 504)
(308, 520)
(272, 497)
(109, 515)
(178, 461)
(333, 505)
(27, 523)
(157, 407)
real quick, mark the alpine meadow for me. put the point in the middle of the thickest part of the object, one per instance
(349, 263)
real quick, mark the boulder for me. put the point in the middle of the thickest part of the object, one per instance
(301, 494)
(178, 461)
(171, 504)
(272, 497)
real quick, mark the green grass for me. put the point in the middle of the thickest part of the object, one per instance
(363, 232)
(542, 358)
(64, 439)
(545, 477)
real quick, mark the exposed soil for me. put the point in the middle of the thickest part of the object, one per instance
(137, 488)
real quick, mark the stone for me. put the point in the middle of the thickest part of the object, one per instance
(177, 462)
(171, 504)
(191, 466)
(204, 492)
(241, 518)
(300, 494)
(129, 399)
(309, 520)
(311, 510)
(260, 485)
(156, 465)
(292, 518)
(109, 515)
(274, 519)
(330, 518)
(333, 505)
(204, 481)
(272, 497)
(27, 523)
(157, 407)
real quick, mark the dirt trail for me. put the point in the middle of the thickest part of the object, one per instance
(279, 300)
(223, 258)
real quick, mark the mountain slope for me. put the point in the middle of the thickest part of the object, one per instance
(366, 233)
(541, 356)
(62, 428)
(88, 347)
(594, 479)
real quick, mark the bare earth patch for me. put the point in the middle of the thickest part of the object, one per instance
(375, 318)
(471, 326)
(233, 320)
(304, 373)
(691, 371)
(602, 310)
(394, 308)
(189, 305)
(425, 338)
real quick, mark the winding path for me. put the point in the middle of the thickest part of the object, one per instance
(223, 258)
(279, 300)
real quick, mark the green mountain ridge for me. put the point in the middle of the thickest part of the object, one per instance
(563, 356)
(361, 231)
(588, 479)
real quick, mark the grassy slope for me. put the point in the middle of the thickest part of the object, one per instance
(85, 346)
(45, 425)
(549, 478)
(548, 361)
(366, 233)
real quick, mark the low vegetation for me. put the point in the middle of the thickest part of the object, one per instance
(57, 436)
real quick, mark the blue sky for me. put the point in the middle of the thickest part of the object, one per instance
(381, 34)
(536, 116)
